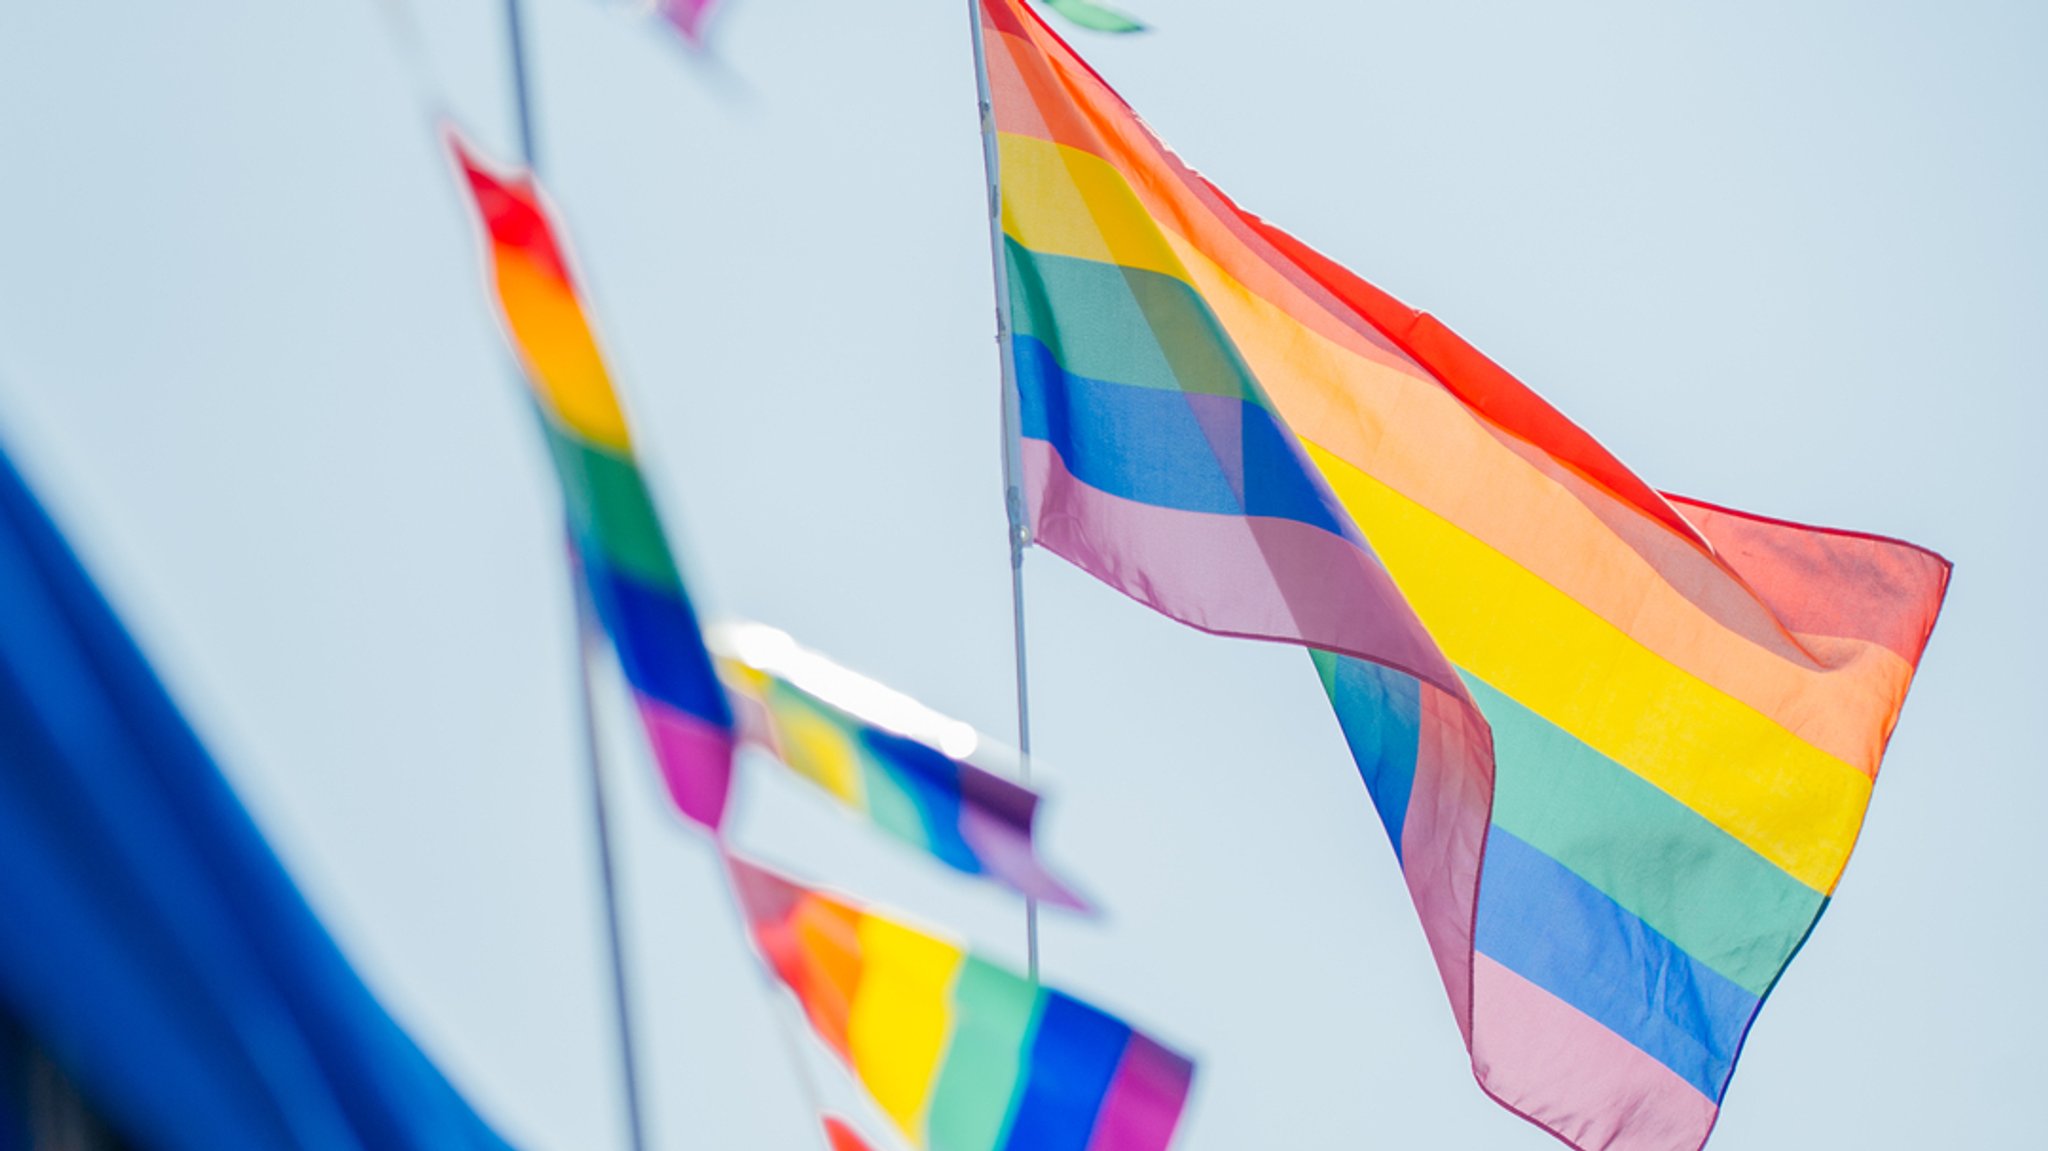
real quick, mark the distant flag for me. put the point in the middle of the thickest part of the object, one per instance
(622, 554)
(688, 17)
(1094, 17)
(840, 1135)
(885, 756)
(961, 1054)
(1689, 704)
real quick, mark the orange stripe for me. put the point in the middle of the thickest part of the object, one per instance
(554, 339)
(824, 939)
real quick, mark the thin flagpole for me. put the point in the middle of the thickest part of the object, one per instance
(589, 648)
(1013, 465)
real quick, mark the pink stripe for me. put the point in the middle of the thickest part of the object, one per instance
(1544, 1060)
(695, 759)
(1255, 577)
(1444, 838)
(1144, 1101)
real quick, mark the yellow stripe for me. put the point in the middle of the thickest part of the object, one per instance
(1789, 801)
(818, 749)
(901, 1018)
(1065, 202)
(806, 742)
(562, 361)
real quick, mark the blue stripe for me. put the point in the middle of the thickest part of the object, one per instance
(1075, 1050)
(660, 647)
(1380, 712)
(1188, 451)
(1559, 932)
(932, 781)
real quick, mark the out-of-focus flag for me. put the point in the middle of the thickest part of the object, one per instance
(961, 1054)
(841, 1136)
(1688, 704)
(688, 17)
(621, 551)
(1094, 17)
(152, 947)
(904, 767)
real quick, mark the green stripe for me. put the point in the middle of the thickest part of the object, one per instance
(1326, 669)
(608, 501)
(975, 1100)
(891, 808)
(1719, 901)
(1124, 325)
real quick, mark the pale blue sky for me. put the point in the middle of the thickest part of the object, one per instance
(1790, 257)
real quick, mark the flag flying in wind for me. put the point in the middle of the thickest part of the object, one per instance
(961, 1054)
(1152, 457)
(1688, 704)
(900, 764)
(623, 556)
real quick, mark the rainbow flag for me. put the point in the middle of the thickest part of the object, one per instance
(621, 552)
(1687, 705)
(961, 1054)
(1151, 456)
(902, 766)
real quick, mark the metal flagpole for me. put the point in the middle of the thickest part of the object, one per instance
(589, 646)
(1013, 464)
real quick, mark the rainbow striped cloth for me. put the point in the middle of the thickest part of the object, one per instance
(1686, 705)
(961, 1054)
(901, 765)
(623, 556)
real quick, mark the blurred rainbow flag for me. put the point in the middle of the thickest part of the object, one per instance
(886, 757)
(1686, 705)
(622, 555)
(961, 1054)
(689, 18)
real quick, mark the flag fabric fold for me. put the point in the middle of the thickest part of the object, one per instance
(908, 773)
(1684, 706)
(622, 555)
(961, 1054)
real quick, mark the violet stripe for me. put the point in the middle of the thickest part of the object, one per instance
(1005, 852)
(1542, 1058)
(695, 758)
(1259, 578)
(1144, 1100)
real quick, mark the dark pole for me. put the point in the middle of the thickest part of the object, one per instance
(588, 649)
